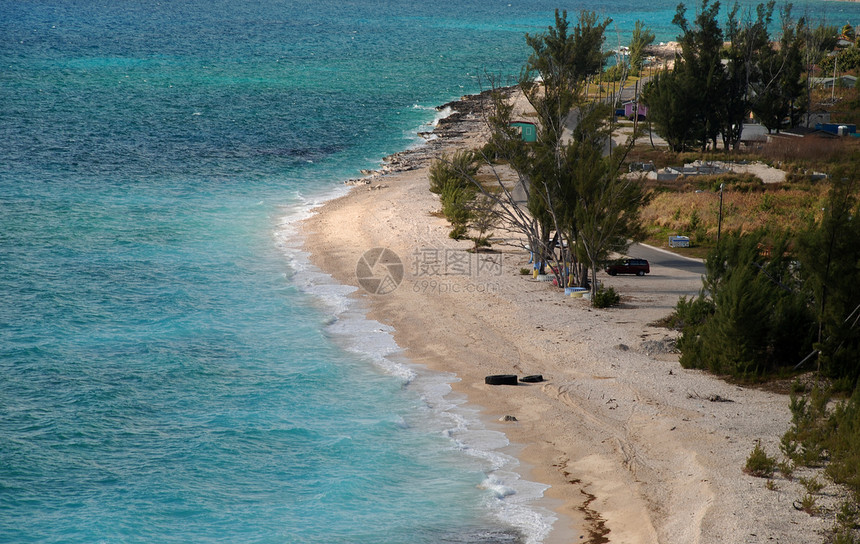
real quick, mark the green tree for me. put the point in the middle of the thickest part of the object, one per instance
(824, 38)
(829, 253)
(686, 105)
(514, 198)
(700, 66)
(670, 99)
(451, 178)
(747, 36)
(568, 199)
(604, 204)
(564, 59)
(780, 88)
(457, 170)
(456, 208)
(641, 39)
(845, 60)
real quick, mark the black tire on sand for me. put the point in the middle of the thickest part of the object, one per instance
(501, 379)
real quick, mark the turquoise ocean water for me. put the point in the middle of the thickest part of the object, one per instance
(171, 369)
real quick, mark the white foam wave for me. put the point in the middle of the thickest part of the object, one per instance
(443, 113)
(363, 336)
(424, 131)
(509, 497)
(499, 489)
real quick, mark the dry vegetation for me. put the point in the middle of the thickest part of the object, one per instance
(690, 206)
(695, 212)
(805, 153)
(842, 103)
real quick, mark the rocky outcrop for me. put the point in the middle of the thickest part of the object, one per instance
(467, 118)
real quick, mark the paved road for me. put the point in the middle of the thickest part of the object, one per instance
(656, 294)
(664, 258)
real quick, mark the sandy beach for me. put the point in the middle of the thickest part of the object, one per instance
(635, 448)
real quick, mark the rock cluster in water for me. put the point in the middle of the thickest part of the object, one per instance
(466, 119)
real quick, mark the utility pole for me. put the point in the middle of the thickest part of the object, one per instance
(636, 109)
(720, 221)
(833, 87)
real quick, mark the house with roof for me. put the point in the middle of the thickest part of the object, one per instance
(840, 81)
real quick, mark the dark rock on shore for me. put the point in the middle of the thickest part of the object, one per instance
(467, 118)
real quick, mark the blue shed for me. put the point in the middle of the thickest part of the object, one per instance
(528, 131)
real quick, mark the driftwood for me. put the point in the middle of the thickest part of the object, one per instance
(711, 398)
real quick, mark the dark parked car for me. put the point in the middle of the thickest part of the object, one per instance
(640, 267)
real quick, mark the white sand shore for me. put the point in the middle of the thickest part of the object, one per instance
(627, 439)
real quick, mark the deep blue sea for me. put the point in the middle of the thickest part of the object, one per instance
(171, 368)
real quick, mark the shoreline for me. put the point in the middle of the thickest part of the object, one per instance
(627, 440)
(518, 499)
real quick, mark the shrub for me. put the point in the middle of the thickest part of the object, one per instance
(804, 441)
(797, 387)
(458, 233)
(787, 469)
(689, 318)
(695, 220)
(759, 463)
(844, 536)
(789, 448)
(842, 436)
(606, 297)
(807, 504)
(847, 515)
(692, 312)
(812, 485)
(455, 204)
(457, 170)
(481, 241)
(757, 323)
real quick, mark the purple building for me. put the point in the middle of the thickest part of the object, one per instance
(630, 107)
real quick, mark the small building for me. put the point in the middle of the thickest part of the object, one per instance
(633, 107)
(814, 118)
(641, 167)
(528, 131)
(753, 133)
